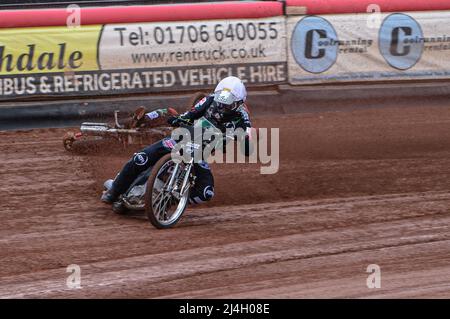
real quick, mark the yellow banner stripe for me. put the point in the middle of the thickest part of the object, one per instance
(49, 49)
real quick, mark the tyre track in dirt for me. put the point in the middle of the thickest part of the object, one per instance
(160, 268)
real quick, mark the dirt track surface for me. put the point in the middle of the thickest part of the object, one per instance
(353, 189)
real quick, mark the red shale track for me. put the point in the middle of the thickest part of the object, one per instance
(354, 188)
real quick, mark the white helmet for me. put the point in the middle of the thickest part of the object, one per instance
(230, 93)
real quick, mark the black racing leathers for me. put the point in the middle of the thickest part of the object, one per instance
(238, 119)
(203, 189)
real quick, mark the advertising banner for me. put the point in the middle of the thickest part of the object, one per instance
(369, 47)
(144, 57)
(184, 55)
(34, 61)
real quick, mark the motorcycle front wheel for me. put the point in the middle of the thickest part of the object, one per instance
(164, 207)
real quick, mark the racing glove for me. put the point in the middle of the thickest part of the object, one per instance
(177, 120)
(156, 118)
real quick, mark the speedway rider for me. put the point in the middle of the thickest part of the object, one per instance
(224, 107)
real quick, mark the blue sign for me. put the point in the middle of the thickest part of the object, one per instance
(401, 41)
(314, 44)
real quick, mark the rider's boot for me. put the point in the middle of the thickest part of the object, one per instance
(109, 196)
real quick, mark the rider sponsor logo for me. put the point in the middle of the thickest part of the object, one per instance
(314, 44)
(208, 192)
(153, 115)
(203, 164)
(397, 41)
(169, 143)
(200, 103)
(140, 159)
